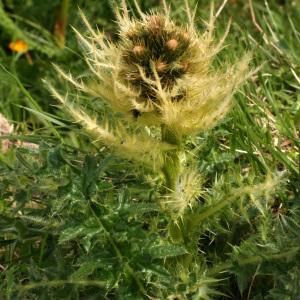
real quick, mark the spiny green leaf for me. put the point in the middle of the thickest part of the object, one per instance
(71, 233)
(166, 250)
(87, 268)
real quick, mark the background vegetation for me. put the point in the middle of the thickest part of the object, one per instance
(78, 223)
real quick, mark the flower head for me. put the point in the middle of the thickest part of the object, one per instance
(8, 129)
(18, 46)
(149, 49)
(5, 127)
(159, 73)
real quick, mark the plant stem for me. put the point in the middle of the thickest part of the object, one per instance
(171, 170)
(57, 283)
(171, 167)
(61, 23)
(198, 217)
(223, 267)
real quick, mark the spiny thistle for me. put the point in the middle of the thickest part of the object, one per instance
(159, 75)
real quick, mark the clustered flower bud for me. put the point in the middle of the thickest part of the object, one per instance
(154, 45)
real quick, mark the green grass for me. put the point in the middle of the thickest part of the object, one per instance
(76, 222)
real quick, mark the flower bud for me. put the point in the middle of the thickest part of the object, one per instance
(155, 24)
(160, 66)
(172, 44)
(138, 50)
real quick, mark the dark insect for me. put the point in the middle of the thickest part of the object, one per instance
(136, 113)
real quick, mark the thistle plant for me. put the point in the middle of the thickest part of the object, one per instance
(160, 77)
(76, 224)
